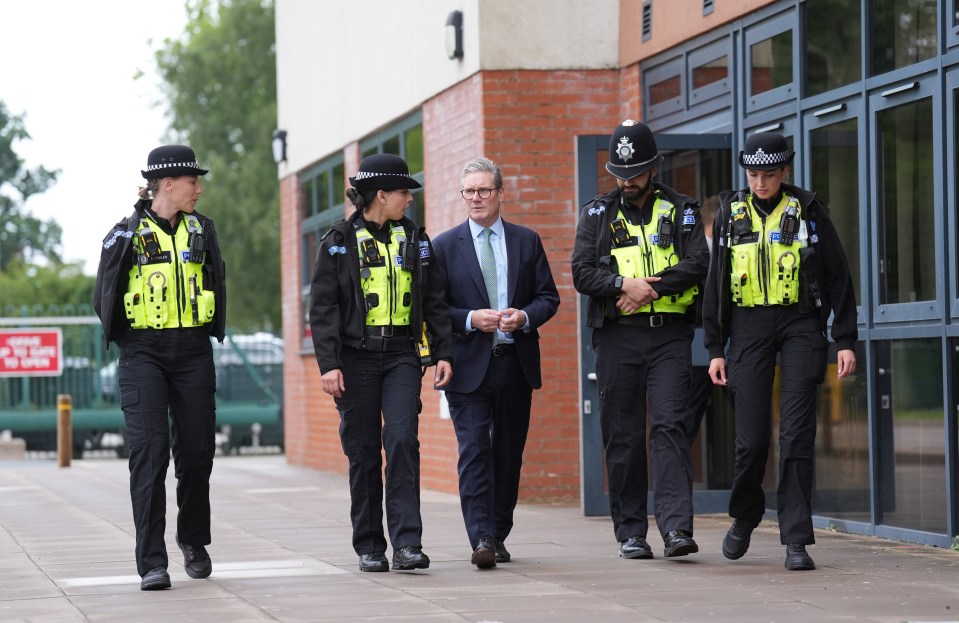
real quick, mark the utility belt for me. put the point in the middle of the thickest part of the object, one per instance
(650, 320)
(387, 338)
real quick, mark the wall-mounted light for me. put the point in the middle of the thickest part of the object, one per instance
(454, 35)
(279, 146)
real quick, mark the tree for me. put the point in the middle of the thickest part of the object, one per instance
(220, 82)
(23, 237)
(30, 287)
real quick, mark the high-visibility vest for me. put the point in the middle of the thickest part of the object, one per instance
(764, 270)
(642, 256)
(387, 284)
(165, 288)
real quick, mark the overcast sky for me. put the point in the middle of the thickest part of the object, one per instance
(69, 67)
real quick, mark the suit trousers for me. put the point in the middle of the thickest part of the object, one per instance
(633, 362)
(756, 336)
(167, 386)
(379, 410)
(491, 426)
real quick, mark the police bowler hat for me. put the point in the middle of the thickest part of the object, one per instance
(765, 151)
(632, 150)
(172, 161)
(383, 172)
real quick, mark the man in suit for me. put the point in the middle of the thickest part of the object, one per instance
(500, 291)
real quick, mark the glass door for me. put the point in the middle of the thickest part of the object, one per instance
(698, 166)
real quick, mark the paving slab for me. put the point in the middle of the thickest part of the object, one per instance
(281, 552)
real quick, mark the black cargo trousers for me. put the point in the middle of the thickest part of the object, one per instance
(167, 388)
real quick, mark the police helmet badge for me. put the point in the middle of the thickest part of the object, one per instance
(625, 149)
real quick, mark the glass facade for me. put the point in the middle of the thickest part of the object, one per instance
(876, 130)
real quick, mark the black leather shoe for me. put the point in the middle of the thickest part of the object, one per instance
(502, 555)
(484, 555)
(155, 579)
(410, 557)
(797, 559)
(635, 547)
(374, 562)
(737, 538)
(195, 560)
(679, 543)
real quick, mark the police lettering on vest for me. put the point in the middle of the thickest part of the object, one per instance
(764, 253)
(639, 253)
(386, 276)
(166, 281)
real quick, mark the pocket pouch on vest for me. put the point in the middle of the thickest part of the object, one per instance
(133, 306)
(206, 306)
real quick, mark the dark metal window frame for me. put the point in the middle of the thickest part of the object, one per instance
(821, 117)
(952, 191)
(887, 98)
(785, 22)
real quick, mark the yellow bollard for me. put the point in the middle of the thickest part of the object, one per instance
(64, 429)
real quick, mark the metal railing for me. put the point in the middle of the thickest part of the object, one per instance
(249, 372)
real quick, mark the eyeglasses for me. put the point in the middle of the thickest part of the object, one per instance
(484, 193)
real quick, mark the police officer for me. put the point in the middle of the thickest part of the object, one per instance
(373, 289)
(640, 256)
(777, 270)
(160, 294)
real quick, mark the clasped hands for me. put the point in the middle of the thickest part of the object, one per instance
(636, 293)
(489, 320)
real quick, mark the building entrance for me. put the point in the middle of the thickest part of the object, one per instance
(698, 166)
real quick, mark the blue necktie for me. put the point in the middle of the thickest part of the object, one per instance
(488, 266)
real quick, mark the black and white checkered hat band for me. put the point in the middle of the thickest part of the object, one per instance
(362, 175)
(168, 165)
(761, 158)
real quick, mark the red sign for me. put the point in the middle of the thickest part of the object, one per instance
(31, 352)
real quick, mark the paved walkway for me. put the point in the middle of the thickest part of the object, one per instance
(281, 552)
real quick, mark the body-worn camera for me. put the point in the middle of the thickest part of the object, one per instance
(621, 237)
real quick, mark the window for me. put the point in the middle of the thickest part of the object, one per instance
(708, 7)
(904, 148)
(664, 88)
(843, 474)
(911, 429)
(903, 33)
(770, 63)
(709, 72)
(322, 203)
(834, 176)
(833, 39)
(403, 139)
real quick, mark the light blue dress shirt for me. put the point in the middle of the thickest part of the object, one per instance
(498, 241)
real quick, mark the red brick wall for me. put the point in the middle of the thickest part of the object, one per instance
(532, 119)
(527, 122)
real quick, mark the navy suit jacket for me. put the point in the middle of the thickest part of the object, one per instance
(530, 288)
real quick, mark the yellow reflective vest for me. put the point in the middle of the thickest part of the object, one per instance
(387, 284)
(764, 269)
(165, 287)
(639, 254)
